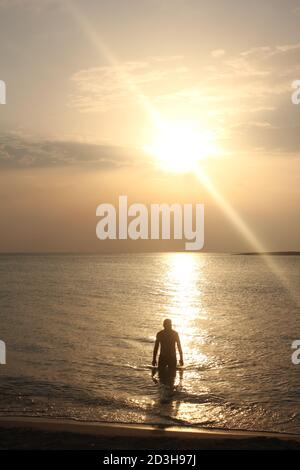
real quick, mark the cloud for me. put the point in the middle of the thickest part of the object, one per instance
(216, 53)
(99, 89)
(255, 78)
(246, 95)
(17, 151)
(257, 72)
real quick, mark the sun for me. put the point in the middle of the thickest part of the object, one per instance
(178, 147)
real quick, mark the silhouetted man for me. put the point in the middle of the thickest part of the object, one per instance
(167, 339)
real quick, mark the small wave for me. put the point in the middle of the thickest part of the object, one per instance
(201, 398)
(139, 339)
(188, 367)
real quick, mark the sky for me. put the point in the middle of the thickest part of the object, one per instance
(140, 97)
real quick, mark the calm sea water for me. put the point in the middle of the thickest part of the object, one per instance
(79, 332)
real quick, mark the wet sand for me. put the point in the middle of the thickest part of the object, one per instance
(38, 433)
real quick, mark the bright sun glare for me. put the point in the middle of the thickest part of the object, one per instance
(179, 147)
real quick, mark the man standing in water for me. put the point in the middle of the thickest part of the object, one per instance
(167, 339)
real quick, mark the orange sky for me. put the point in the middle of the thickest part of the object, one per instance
(110, 98)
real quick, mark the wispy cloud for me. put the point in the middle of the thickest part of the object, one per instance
(253, 86)
(17, 151)
(255, 72)
(216, 53)
(106, 87)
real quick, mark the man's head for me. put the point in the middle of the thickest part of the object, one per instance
(167, 324)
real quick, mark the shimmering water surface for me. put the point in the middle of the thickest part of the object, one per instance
(79, 331)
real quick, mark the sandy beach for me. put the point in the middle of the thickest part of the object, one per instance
(38, 433)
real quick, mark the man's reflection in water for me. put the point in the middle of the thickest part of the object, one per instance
(166, 378)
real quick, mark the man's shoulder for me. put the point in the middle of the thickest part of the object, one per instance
(164, 333)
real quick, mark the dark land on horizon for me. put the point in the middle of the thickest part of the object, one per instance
(271, 253)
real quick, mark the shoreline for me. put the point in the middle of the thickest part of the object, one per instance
(47, 433)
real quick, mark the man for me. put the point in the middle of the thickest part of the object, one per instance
(167, 339)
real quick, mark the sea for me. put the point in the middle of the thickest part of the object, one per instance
(79, 332)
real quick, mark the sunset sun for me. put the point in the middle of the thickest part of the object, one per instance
(179, 147)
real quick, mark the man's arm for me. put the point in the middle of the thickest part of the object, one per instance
(179, 349)
(155, 351)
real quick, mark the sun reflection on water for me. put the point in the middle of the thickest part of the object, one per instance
(183, 278)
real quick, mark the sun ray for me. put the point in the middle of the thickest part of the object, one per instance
(111, 59)
(243, 228)
(161, 124)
